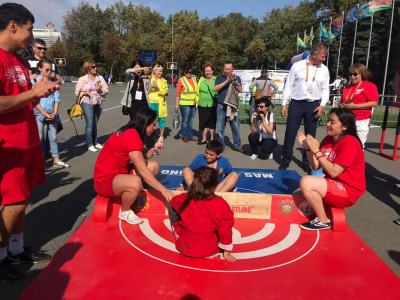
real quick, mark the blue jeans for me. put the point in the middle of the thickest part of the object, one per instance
(299, 110)
(51, 133)
(221, 124)
(92, 116)
(187, 112)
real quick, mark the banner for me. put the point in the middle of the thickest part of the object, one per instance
(377, 5)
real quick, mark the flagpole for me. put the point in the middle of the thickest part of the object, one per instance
(369, 43)
(320, 27)
(340, 45)
(329, 40)
(311, 37)
(297, 43)
(354, 41)
(388, 51)
(304, 41)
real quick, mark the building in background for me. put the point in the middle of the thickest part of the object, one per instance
(48, 34)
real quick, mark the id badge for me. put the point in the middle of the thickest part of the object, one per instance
(310, 89)
(138, 95)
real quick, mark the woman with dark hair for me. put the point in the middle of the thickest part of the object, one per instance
(360, 96)
(136, 93)
(185, 101)
(207, 103)
(341, 157)
(91, 87)
(121, 167)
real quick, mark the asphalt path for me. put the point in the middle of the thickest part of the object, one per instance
(59, 207)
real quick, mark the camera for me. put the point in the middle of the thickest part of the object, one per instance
(259, 115)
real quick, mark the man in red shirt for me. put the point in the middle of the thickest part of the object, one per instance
(22, 164)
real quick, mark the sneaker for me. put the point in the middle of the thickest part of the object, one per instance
(254, 156)
(186, 140)
(60, 164)
(92, 148)
(130, 217)
(193, 139)
(29, 256)
(316, 224)
(240, 150)
(8, 273)
(283, 166)
(99, 146)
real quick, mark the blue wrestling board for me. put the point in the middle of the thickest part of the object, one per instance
(250, 180)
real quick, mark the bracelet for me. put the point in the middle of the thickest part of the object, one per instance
(315, 153)
(319, 157)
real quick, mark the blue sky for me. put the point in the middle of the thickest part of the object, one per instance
(206, 8)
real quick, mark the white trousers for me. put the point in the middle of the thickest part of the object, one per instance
(362, 130)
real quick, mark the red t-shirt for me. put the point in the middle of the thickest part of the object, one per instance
(18, 129)
(114, 157)
(347, 152)
(204, 223)
(366, 92)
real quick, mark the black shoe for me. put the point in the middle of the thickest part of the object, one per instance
(307, 169)
(283, 166)
(316, 224)
(29, 256)
(8, 273)
(201, 143)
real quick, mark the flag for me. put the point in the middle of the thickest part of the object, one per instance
(323, 32)
(332, 34)
(300, 43)
(350, 18)
(377, 5)
(306, 39)
(362, 11)
(311, 36)
(337, 22)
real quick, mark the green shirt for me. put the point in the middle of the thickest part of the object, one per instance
(207, 95)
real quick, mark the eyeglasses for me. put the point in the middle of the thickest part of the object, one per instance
(41, 48)
(353, 74)
(94, 67)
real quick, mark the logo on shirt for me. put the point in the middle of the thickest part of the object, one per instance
(358, 91)
(18, 75)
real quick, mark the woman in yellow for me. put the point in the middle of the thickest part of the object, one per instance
(157, 97)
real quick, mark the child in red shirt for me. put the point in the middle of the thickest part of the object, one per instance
(205, 220)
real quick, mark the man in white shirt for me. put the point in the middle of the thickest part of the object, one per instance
(335, 85)
(308, 88)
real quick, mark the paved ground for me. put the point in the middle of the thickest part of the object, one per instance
(59, 207)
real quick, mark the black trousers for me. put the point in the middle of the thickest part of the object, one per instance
(267, 145)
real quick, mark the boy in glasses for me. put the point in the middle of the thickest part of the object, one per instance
(263, 129)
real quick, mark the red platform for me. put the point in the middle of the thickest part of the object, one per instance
(275, 259)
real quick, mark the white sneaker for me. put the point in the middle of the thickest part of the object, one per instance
(99, 146)
(60, 164)
(92, 148)
(130, 217)
(254, 156)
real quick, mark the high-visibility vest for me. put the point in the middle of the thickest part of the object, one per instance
(189, 95)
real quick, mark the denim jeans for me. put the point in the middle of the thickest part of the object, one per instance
(299, 110)
(92, 116)
(187, 112)
(221, 124)
(51, 133)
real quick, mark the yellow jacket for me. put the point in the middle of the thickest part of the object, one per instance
(159, 96)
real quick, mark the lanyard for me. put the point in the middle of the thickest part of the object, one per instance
(316, 69)
(138, 84)
(352, 95)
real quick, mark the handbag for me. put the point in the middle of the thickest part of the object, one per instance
(176, 120)
(59, 123)
(260, 93)
(76, 109)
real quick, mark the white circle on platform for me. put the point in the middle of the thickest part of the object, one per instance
(222, 271)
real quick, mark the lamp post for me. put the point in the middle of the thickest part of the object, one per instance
(172, 43)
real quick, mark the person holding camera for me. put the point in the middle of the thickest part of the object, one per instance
(263, 129)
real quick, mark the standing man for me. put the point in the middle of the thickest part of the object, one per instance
(39, 48)
(21, 157)
(308, 88)
(222, 84)
(266, 84)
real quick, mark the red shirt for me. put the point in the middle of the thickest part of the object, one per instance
(18, 129)
(114, 157)
(366, 92)
(347, 152)
(201, 221)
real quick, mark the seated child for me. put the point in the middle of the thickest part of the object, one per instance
(205, 220)
(212, 158)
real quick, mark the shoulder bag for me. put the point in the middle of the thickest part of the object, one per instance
(260, 93)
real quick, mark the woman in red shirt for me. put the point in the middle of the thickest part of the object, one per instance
(121, 165)
(342, 159)
(206, 220)
(360, 96)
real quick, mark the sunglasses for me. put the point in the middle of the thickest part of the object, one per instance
(260, 106)
(41, 48)
(188, 72)
(94, 67)
(353, 74)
